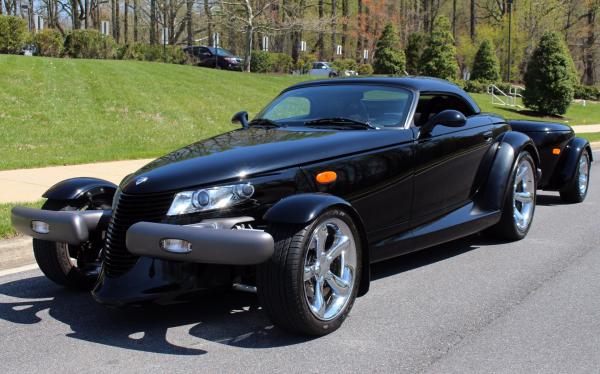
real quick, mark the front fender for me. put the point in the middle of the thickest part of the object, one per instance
(80, 188)
(493, 193)
(305, 207)
(569, 162)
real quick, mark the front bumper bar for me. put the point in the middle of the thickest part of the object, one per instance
(72, 227)
(208, 245)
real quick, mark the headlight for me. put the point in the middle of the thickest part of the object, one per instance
(210, 198)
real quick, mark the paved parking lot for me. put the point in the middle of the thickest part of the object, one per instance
(469, 306)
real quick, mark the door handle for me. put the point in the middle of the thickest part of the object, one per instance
(487, 136)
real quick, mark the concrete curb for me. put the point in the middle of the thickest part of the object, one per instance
(15, 253)
(595, 145)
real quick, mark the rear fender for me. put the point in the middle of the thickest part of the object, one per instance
(304, 208)
(78, 189)
(493, 193)
(567, 166)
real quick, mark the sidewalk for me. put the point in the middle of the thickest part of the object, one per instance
(585, 129)
(29, 184)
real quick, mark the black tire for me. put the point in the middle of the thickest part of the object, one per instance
(571, 193)
(55, 259)
(281, 282)
(507, 228)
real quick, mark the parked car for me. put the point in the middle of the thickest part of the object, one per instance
(322, 68)
(214, 57)
(328, 178)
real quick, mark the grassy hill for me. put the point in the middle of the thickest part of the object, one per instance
(61, 111)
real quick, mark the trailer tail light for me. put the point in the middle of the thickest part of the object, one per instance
(556, 151)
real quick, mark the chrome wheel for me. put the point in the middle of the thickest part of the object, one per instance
(524, 195)
(584, 172)
(329, 269)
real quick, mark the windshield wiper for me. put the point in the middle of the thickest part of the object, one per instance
(263, 122)
(340, 121)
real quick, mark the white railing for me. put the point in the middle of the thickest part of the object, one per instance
(500, 97)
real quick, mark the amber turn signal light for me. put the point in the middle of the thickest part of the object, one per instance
(556, 151)
(326, 177)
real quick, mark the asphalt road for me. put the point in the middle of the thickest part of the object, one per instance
(469, 306)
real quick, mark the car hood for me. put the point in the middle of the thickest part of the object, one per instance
(242, 153)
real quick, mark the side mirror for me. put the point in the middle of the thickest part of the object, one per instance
(241, 118)
(448, 118)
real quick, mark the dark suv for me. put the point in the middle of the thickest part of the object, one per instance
(214, 57)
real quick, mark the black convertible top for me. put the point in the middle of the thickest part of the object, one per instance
(419, 84)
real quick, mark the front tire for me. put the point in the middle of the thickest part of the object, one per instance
(310, 283)
(519, 206)
(576, 191)
(75, 267)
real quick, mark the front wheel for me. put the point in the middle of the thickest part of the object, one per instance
(75, 267)
(519, 206)
(576, 191)
(310, 284)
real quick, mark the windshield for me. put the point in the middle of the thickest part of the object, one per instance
(221, 52)
(380, 106)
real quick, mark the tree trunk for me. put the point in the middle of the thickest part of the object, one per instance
(190, 33)
(117, 24)
(426, 16)
(345, 14)
(126, 21)
(209, 27)
(321, 40)
(75, 14)
(136, 14)
(454, 19)
(360, 40)
(153, 22)
(333, 27)
(248, 48)
(589, 73)
(472, 19)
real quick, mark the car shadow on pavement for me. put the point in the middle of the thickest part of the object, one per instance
(548, 200)
(231, 318)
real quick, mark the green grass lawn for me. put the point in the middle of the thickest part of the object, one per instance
(66, 111)
(6, 230)
(61, 111)
(592, 137)
(576, 115)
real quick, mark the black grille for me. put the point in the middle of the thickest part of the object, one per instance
(130, 209)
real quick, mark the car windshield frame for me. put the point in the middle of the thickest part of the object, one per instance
(407, 111)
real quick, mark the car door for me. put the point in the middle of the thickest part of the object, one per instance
(205, 56)
(447, 159)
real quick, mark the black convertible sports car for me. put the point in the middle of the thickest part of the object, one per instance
(330, 177)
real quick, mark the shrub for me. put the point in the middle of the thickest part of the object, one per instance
(305, 61)
(475, 86)
(261, 62)
(282, 63)
(414, 48)
(549, 77)
(587, 92)
(176, 55)
(345, 64)
(365, 69)
(13, 33)
(89, 44)
(389, 58)
(485, 65)
(439, 58)
(48, 43)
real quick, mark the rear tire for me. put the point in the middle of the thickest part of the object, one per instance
(310, 283)
(75, 267)
(519, 205)
(576, 191)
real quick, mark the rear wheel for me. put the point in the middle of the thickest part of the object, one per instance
(71, 266)
(576, 191)
(519, 206)
(310, 284)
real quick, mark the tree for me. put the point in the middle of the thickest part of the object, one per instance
(549, 77)
(486, 66)
(439, 58)
(414, 48)
(389, 58)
